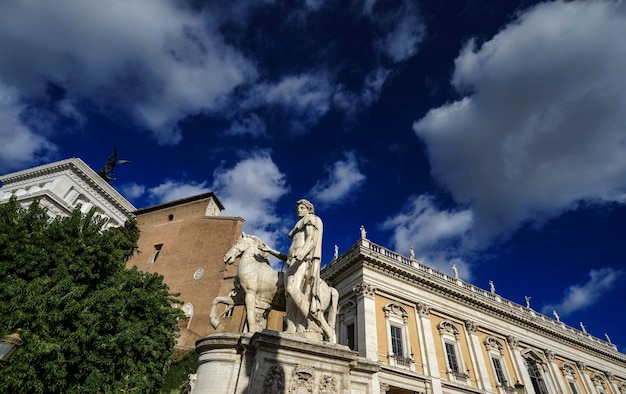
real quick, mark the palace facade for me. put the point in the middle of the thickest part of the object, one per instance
(433, 333)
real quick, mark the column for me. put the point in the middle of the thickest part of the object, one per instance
(477, 356)
(586, 380)
(557, 378)
(521, 370)
(431, 365)
(366, 325)
(611, 379)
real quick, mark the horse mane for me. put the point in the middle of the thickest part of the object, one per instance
(258, 243)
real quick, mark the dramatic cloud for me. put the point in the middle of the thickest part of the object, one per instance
(581, 296)
(344, 178)
(155, 59)
(250, 190)
(543, 126)
(436, 235)
(303, 99)
(251, 125)
(19, 146)
(174, 190)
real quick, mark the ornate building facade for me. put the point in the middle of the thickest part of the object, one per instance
(433, 333)
(62, 186)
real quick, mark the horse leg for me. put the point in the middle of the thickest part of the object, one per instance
(250, 301)
(230, 301)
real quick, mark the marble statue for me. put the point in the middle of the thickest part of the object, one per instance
(556, 316)
(261, 289)
(412, 253)
(583, 328)
(492, 287)
(455, 270)
(336, 252)
(608, 339)
(363, 232)
(527, 298)
(302, 276)
(257, 286)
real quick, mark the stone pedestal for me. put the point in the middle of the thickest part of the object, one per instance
(271, 363)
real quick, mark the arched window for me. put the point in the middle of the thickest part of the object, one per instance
(495, 349)
(569, 372)
(449, 334)
(399, 350)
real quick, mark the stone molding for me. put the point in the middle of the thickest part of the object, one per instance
(365, 289)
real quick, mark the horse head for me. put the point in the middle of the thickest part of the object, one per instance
(247, 243)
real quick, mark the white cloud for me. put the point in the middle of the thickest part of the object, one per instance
(250, 190)
(304, 98)
(581, 296)
(153, 57)
(132, 190)
(544, 125)
(174, 190)
(251, 125)
(19, 146)
(344, 179)
(436, 235)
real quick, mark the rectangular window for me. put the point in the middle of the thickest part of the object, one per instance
(451, 355)
(396, 341)
(350, 336)
(535, 377)
(497, 367)
(572, 387)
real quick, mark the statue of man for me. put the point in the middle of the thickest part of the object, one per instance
(302, 275)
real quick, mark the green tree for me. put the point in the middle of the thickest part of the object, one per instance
(90, 325)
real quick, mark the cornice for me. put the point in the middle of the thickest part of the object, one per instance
(390, 264)
(81, 173)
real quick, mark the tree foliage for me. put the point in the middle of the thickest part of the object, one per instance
(90, 325)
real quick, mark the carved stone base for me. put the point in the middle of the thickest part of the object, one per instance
(270, 362)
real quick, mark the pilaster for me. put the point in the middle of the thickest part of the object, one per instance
(477, 356)
(366, 315)
(431, 366)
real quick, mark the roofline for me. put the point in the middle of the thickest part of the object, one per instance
(181, 201)
(91, 175)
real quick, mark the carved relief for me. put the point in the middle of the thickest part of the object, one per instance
(274, 381)
(581, 365)
(365, 289)
(492, 343)
(549, 354)
(396, 310)
(447, 327)
(302, 380)
(328, 385)
(609, 376)
(568, 369)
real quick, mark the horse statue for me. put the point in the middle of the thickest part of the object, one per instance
(261, 288)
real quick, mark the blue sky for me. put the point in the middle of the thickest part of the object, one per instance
(490, 135)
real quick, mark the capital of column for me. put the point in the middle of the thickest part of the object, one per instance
(471, 326)
(384, 387)
(423, 309)
(513, 341)
(582, 366)
(549, 354)
(364, 289)
(609, 376)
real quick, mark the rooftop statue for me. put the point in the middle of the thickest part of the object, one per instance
(106, 172)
